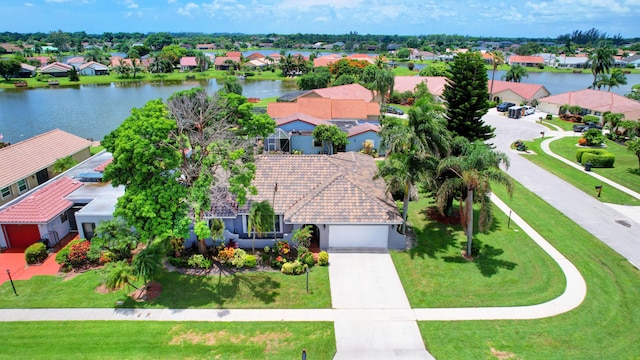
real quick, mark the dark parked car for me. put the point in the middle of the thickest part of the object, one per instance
(586, 126)
(394, 110)
(504, 106)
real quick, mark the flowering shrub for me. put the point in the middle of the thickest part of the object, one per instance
(306, 258)
(62, 257)
(239, 258)
(294, 268)
(250, 261)
(106, 257)
(199, 261)
(278, 262)
(226, 254)
(283, 247)
(78, 254)
(582, 141)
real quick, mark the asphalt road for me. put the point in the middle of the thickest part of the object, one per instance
(594, 216)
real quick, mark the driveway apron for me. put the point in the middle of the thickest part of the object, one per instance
(370, 282)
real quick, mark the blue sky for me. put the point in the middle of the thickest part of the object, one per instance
(390, 17)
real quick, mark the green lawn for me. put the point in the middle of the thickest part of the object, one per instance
(255, 290)
(575, 177)
(564, 125)
(511, 269)
(625, 171)
(166, 340)
(605, 326)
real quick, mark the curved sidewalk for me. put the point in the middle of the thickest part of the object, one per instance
(572, 297)
(545, 145)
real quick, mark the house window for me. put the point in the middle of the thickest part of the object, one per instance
(317, 143)
(6, 192)
(88, 229)
(22, 186)
(63, 217)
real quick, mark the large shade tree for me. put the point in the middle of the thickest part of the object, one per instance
(330, 136)
(475, 168)
(466, 97)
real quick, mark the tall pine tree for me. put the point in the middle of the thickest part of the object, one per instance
(466, 97)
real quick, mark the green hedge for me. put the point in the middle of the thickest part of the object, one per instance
(598, 158)
(591, 118)
(36, 253)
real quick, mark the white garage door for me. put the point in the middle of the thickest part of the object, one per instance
(358, 236)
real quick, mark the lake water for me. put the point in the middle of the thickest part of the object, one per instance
(92, 111)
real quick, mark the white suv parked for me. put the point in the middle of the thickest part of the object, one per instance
(529, 110)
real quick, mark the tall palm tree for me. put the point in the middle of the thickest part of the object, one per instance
(202, 61)
(633, 146)
(136, 67)
(261, 220)
(63, 164)
(383, 84)
(516, 73)
(613, 120)
(148, 262)
(497, 58)
(414, 148)
(474, 171)
(601, 61)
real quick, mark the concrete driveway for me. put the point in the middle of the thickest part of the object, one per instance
(370, 281)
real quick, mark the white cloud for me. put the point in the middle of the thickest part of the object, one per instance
(131, 4)
(57, 1)
(186, 10)
(28, 4)
(171, 1)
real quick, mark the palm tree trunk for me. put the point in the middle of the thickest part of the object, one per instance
(469, 209)
(493, 75)
(405, 207)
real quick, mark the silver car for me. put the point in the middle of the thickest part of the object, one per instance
(529, 110)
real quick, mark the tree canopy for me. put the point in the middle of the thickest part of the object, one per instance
(466, 97)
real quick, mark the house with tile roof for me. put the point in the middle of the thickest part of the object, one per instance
(333, 194)
(515, 92)
(75, 61)
(56, 69)
(93, 68)
(74, 201)
(27, 71)
(225, 62)
(188, 63)
(527, 61)
(28, 163)
(575, 62)
(345, 92)
(592, 102)
(435, 84)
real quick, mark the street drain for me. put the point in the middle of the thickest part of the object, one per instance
(623, 223)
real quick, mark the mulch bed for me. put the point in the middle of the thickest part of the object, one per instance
(435, 215)
(148, 293)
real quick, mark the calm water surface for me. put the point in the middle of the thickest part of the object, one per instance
(92, 111)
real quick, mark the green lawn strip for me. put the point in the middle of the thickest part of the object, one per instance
(564, 125)
(604, 326)
(166, 340)
(625, 171)
(95, 149)
(576, 177)
(255, 290)
(511, 269)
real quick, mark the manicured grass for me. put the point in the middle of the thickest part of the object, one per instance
(95, 149)
(266, 101)
(166, 340)
(576, 177)
(625, 171)
(511, 269)
(255, 290)
(564, 125)
(604, 326)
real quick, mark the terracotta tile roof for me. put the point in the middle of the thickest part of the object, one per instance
(43, 205)
(101, 167)
(351, 91)
(363, 128)
(526, 59)
(325, 189)
(29, 156)
(188, 61)
(325, 108)
(56, 67)
(234, 54)
(28, 67)
(526, 91)
(600, 101)
(94, 65)
(74, 60)
(255, 56)
(42, 59)
(326, 60)
(221, 59)
(299, 117)
(435, 84)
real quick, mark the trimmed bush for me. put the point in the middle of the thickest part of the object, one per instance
(599, 160)
(250, 261)
(239, 258)
(597, 157)
(78, 254)
(307, 258)
(287, 268)
(199, 261)
(323, 258)
(36, 253)
(63, 255)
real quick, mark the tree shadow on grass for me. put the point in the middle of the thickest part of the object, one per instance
(215, 290)
(438, 233)
(486, 259)
(633, 171)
